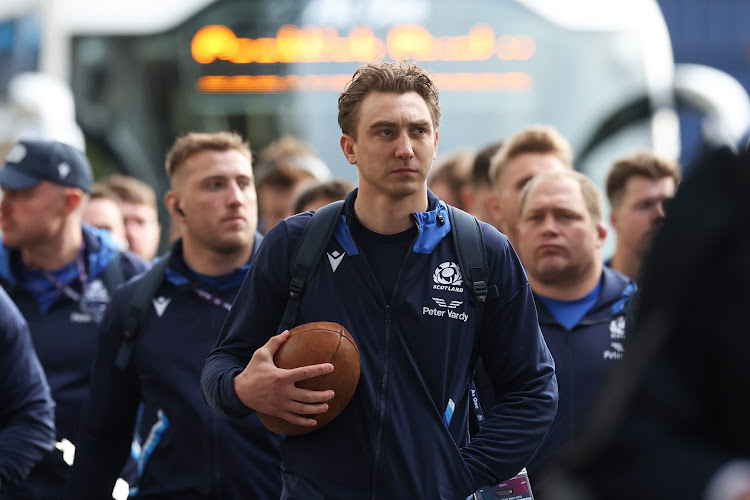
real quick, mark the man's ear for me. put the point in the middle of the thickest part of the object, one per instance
(601, 233)
(172, 201)
(73, 199)
(349, 147)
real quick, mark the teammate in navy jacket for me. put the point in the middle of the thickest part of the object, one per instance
(391, 278)
(61, 275)
(189, 452)
(27, 412)
(581, 303)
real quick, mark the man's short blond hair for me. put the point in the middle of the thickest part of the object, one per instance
(131, 190)
(540, 139)
(592, 196)
(641, 164)
(195, 142)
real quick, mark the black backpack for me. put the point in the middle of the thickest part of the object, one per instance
(140, 300)
(467, 240)
(472, 261)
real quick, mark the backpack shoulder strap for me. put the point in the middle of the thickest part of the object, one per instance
(113, 275)
(472, 261)
(140, 299)
(306, 256)
(472, 258)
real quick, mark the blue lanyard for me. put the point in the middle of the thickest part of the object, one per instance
(64, 288)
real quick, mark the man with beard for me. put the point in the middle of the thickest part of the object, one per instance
(62, 274)
(638, 187)
(188, 452)
(580, 302)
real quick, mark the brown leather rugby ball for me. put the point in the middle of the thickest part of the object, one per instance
(312, 344)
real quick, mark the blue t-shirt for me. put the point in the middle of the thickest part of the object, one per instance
(570, 312)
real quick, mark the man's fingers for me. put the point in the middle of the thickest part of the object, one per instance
(308, 409)
(308, 396)
(275, 342)
(298, 419)
(306, 372)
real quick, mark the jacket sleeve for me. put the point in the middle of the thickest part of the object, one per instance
(254, 318)
(27, 429)
(109, 414)
(520, 368)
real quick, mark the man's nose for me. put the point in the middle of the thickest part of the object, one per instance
(403, 146)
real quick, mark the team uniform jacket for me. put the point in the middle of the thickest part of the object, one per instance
(583, 356)
(27, 412)
(188, 452)
(65, 337)
(395, 439)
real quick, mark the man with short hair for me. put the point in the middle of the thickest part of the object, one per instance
(103, 211)
(477, 194)
(394, 286)
(278, 191)
(450, 176)
(323, 193)
(580, 302)
(638, 186)
(61, 274)
(522, 156)
(190, 451)
(140, 214)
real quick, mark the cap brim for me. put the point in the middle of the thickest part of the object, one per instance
(14, 179)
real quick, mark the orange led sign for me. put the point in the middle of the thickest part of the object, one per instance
(324, 44)
(286, 83)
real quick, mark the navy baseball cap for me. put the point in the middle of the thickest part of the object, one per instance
(30, 162)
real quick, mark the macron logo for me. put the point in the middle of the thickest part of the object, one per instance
(335, 259)
(63, 169)
(160, 304)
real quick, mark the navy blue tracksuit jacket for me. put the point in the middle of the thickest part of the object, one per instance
(65, 335)
(417, 354)
(584, 356)
(188, 452)
(27, 412)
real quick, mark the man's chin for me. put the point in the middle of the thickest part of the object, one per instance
(230, 246)
(553, 275)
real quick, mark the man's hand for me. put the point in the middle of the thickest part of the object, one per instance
(268, 389)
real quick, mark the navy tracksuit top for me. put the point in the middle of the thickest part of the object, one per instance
(417, 354)
(65, 336)
(188, 451)
(584, 356)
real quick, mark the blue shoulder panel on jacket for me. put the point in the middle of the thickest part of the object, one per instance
(5, 273)
(344, 237)
(619, 305)
(101, 248)
(433, 227)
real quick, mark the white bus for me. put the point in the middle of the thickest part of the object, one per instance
(601, 72)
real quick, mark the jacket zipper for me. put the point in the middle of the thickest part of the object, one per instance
(386, 364)
(381, 419)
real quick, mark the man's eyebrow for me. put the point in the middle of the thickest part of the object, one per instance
(382, 123)
(387, 123)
